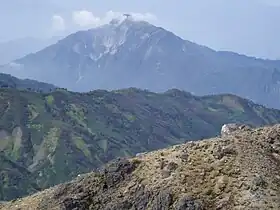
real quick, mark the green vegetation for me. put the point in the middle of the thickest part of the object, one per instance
(210, 174)
(81, 145)
(50, 138)
(8, 81)
(50, 99)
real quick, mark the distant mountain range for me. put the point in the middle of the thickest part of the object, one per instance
(138, 54)
(18, 48)
(49, 138)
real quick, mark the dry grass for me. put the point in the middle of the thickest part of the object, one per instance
(239, 171)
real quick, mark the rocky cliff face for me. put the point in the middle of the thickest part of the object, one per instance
(238, 171)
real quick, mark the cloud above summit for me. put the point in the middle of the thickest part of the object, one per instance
(58, 23)
(84, 18)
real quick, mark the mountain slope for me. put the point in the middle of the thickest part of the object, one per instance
(15, 49)
(238, 171)
(8, 81)
(17, 181)
(57, 135)
(138, 54)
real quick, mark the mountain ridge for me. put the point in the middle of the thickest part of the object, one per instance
(236, 171)
(9, 81)
(138, 54)
(15, 49)
(59, 134)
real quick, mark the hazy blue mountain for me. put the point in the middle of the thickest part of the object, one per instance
(18, 48)
(138, 54)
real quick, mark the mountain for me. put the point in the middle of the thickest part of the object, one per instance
(138, 54)
(49, 138)
(18, 48)
(8, 81)
(15, 179)
(238, 171)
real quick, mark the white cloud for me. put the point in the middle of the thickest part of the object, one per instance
(135, 16)
(85, 18)
(143, 17)
(58, 23)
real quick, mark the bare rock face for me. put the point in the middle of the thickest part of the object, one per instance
(228, 129)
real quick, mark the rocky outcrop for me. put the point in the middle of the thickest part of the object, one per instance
(240, 171)
(228, 129)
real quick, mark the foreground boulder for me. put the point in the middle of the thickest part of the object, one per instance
(228, 129)
(237, 171)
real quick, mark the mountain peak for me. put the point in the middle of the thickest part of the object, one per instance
(130, 53)
(127, 20)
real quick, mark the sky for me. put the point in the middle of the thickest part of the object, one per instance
(248, 27)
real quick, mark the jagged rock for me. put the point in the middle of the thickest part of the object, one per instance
(227, 129)
(172, 166)
(221, 183)
(162, 201)
(187, 203)
(222, 204)
(222, 151)
(184, 156)
(140, 154)
(258, 182)
(165, 173)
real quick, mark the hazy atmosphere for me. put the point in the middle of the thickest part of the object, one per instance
(139, 105)
(249, 27)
